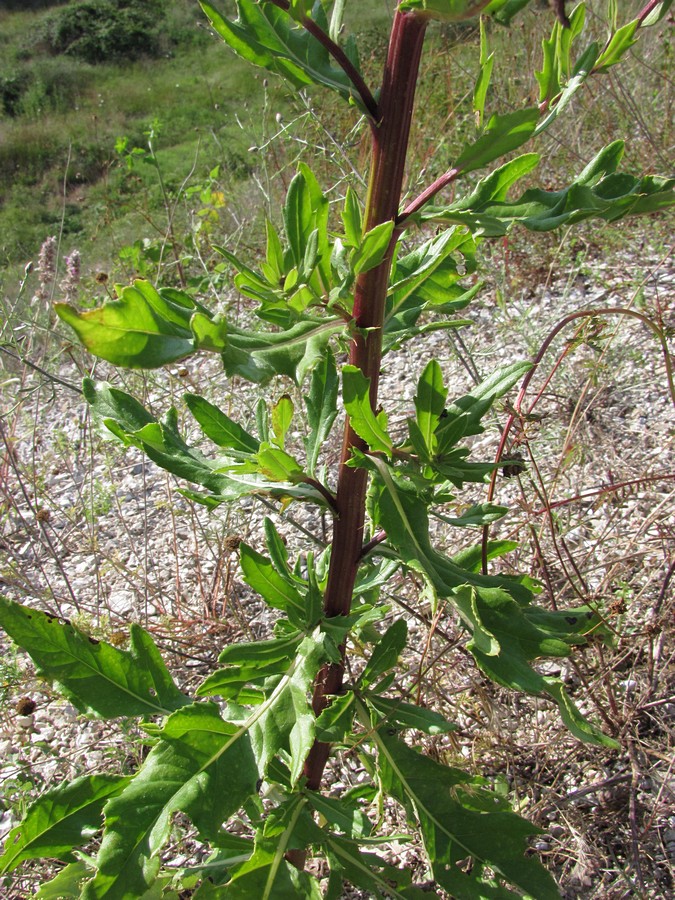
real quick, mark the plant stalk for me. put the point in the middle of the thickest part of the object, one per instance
(390, 144)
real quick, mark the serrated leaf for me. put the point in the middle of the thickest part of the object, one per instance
(99, 679)
(203, 767)
(61, 819)
(356, 398)
(250, 663)
(459, 819)
(286, 719)
(335, 722)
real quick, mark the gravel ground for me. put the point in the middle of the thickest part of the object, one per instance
(103, 538)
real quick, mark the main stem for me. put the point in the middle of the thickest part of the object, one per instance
(390, 144)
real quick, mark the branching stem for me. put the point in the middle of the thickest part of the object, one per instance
(340, 58)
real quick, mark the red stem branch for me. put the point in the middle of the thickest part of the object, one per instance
(340, 58)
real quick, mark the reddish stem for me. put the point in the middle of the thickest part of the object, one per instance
(390, 143)
(340, 58)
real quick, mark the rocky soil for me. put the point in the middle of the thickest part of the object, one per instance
(103, 538)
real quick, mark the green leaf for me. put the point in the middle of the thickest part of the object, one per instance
(384, 657)
(407, 715)
(657, 13)
(582, 70)
(344, 813)
(267, 36)
(67, 885)
(286, 720)
(503, 134)
(281, 418)
(203, 767)
(446, 10)
(463, 417)
(459, 819)
(141, 329)
(372, 248)
(274, 254)
(621, 41)
(336, 721)
(267, 874)
(430, 403)
(258, 356)
(598, 192)
(428, 278)
(480, 514)
(321, 407)
(250, 663)
(503, 11)
(276, 590)
(219, 427)
(507, 633)
(279, 465)
(483, 81)
(369, 871)
(99, 679)
(61, 819)
(352, 219)
(356, 398)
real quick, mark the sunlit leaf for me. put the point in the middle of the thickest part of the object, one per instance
(61, 819)
(203, 767)
(99, 679)
(321, 407)
(267, 36)
(356, 398)
(459, 819)
(503, 133)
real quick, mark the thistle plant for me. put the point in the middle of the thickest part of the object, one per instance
(338, 291)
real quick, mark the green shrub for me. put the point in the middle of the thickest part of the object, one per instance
(103, 30)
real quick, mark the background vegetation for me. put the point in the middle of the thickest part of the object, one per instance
(132, 148)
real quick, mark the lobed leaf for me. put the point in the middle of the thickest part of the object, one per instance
(61, 819)
(459, 819)
(356, 398)
(201, 766)
(99, 679)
